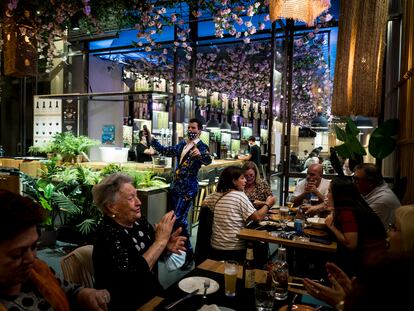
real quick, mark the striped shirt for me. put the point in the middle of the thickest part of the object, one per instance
(230, 215)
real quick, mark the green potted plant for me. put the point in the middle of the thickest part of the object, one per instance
(47, 193)
(381, 144)
(82, 216)
(71, 146)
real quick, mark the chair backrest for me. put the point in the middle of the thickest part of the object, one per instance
(77, 266)
(205, 228)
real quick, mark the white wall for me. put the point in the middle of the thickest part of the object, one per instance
(102, 79)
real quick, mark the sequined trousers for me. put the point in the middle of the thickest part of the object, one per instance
(181, 209)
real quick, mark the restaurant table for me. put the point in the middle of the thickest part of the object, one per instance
(215, 270)
(264, 236)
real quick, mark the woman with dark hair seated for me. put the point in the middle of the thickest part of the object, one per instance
(359, 231)
(232, 210)
(27, 283)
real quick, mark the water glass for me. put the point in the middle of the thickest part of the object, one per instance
(264, 297)
(230, 277)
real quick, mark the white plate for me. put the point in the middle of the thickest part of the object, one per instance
(269, 223)
(317, 222)
(192, 283)
(290, 224)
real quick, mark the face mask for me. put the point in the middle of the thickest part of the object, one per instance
(192, 135)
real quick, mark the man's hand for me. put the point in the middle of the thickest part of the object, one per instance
(93, 300)
(311, 187)
(195, 152)
(313, 209)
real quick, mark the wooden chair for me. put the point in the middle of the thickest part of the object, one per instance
(77, 266)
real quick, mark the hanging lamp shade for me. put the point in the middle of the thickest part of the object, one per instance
(225, 126)
(301, 10)
(212, 124)
(234, 128)
(199, 116)
(319, 122)
(363, 122)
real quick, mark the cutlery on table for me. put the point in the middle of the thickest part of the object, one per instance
(206, 287)
(290, 305)
(171, 305)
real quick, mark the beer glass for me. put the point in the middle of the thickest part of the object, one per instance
(284, 214)
(230, 277)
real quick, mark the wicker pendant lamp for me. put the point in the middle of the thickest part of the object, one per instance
(299, 10)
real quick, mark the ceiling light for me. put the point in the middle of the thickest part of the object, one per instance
(319, 123)
(302, 10)
(363, 122)
(212, 124)
(234, 128)
(225, 126)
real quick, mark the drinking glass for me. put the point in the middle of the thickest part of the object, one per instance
(284, 214)
(264, 297)
(230, 277)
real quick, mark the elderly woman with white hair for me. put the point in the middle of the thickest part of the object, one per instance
(127, 248)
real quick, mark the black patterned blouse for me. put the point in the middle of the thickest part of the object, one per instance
(30, 298)
(260, 192)
(120, 267)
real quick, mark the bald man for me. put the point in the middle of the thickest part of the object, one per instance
(312, 185)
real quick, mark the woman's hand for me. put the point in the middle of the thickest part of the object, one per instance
(329, 221)
(93, 300)
(164, 227)
(270, 201)
(341, 286)
(332, 295)
(176, 243)
(340, 276)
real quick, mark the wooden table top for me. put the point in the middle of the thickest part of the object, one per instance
(264, 236)
(218, 267)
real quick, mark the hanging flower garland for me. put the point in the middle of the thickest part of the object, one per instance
(50, 19)
(238, 72)
(312, 82)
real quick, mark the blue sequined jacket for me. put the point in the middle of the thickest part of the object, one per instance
(185, 181)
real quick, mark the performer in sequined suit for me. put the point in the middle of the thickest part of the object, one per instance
(191, 153)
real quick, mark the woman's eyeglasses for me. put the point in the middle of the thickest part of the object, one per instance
(393, 228)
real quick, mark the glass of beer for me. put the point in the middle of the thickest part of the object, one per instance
(314, 200)
(284, 216)
(230, 277)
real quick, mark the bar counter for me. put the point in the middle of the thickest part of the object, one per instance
(161, 169)
(30, 166)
